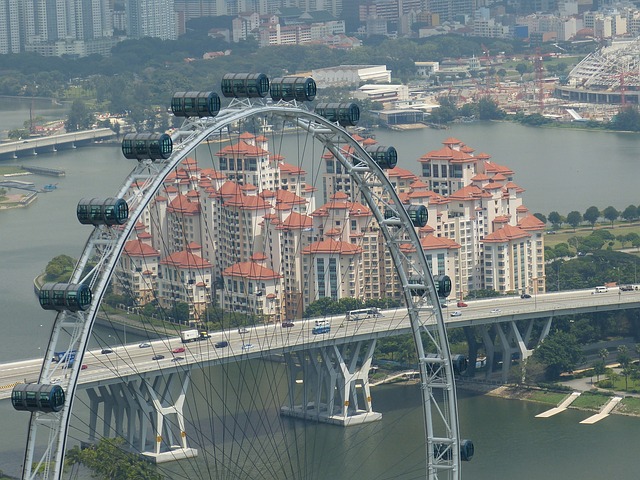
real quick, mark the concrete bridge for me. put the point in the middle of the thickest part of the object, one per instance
(133, 378)
(34, 146)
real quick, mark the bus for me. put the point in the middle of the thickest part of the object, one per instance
(60, 357)
(321, 329)
(363, 313)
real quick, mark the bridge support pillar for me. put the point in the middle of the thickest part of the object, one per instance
(330, 384)
(167, 447)
(148, 405)
(514, 340)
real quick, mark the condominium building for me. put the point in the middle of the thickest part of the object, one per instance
(185, 277)
(247, 233)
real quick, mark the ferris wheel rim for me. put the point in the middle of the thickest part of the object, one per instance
(327, 130)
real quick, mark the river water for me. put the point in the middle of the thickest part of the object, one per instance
(560, 169)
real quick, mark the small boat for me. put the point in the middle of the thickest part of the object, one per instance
(49, 187)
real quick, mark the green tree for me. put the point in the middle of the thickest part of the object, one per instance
(521, 68)
(561, 250)
(323, 306)
(627, 119)
(488, 109)
(592, 215)
(59, 269)
(80, 117)
(109, 461)
(611, 214)
(560, 352)
(574, 219)
(180, 312)
(624, 359)
(541, 217)
(630, 213)
(556, 219)
(599, 369)
(486, 293)
(18, 134)
(603, 354)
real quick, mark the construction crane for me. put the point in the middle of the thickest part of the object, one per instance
(623, 86)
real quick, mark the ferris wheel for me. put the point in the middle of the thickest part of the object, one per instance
(223, 234)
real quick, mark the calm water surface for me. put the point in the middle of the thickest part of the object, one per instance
(560, 170)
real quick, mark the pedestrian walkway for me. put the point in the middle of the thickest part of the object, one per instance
(560, 408)
(603, 413)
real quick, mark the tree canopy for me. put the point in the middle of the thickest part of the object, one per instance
(560, 352)
(109, 461)
(59, 269)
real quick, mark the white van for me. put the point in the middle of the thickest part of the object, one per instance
(601, 290)
(322, 323)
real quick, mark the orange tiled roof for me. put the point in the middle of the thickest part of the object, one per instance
(251, 271)
(185, 259)
(506, 234)
(138, 248)
(182, 205)
(296, 221)
(331, 246)
(531, 223)
(431, 242)
(242, 149)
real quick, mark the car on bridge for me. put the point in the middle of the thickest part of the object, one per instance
(106, 350)
(456, 313)
(247, 346)
(177, 359)
(287, 324)
(461, 304)
(144, 345)
(242, 331)
(495, 310)
(157, 357)
(221, 344)
(525, 295)
(178, 350)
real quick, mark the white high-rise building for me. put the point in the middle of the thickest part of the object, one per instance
(9, 27)
(151, 18)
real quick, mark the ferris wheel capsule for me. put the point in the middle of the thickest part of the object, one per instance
(147, 146)
(37, 397)
(72, 297)
(302, 89)
(195, 104)
(245, 85)
(443, 285)
(345, 114)
(102, 211)
(385, 157)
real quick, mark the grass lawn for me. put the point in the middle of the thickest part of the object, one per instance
(590, 401)
(7, 169)
(630, 405)
(563, 235)
(551, 398)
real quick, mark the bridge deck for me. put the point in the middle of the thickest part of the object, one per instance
(130, 360)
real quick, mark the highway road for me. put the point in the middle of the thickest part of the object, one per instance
(132, 360)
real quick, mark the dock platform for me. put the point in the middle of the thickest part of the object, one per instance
(603, 413)
(52, 172)
(560, 408)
